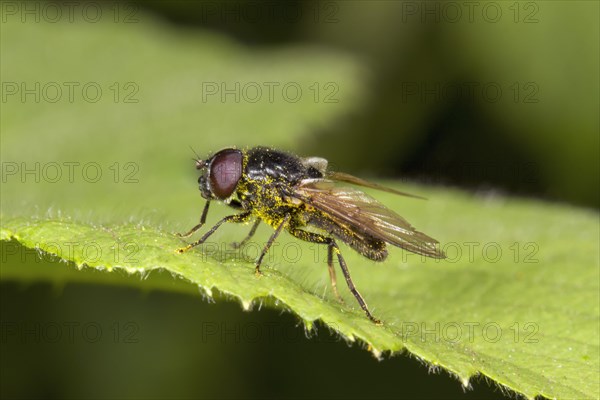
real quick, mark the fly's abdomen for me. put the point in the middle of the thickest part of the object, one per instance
(367, 245)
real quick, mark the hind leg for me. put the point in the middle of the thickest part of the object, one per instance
(333, 247)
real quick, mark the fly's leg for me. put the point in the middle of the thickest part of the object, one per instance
(317, 238)
(284, 222)
(243, 217)
(332, 277)
(237, 245)
(351, 286)
(202, 221)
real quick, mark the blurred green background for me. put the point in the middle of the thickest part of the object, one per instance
(501, 95)
(491, 97)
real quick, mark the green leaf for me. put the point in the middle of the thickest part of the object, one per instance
(520, 308)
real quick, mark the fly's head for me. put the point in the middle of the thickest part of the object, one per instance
(220, 174)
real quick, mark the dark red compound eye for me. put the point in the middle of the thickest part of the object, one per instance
(225, 172)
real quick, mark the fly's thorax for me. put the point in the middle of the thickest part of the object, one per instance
(267, 199)
(260, 193)
(265, 163)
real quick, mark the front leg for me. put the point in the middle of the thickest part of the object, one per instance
(243, 217)
(202, 221)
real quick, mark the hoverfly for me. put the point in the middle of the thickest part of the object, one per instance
(292, 193)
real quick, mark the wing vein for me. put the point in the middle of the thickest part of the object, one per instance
(354, 208)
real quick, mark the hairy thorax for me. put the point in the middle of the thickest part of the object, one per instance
(266, 200)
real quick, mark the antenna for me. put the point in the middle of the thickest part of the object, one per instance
(199, 162)
(196, 154)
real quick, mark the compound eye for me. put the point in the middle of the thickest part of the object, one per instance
(225, 172)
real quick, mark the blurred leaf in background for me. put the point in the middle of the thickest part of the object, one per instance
(484, 94)
(116, 106)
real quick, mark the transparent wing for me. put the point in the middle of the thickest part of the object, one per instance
(355, 209)
(343, 177)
